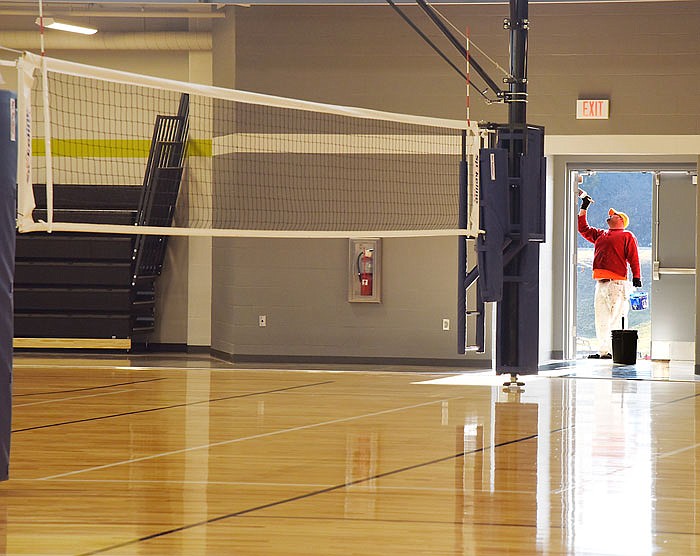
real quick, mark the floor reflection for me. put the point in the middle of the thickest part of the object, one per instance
(577, 463)
(588, 458)
(642, 370)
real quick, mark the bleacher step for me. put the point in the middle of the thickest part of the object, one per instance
(73, 325)
(67, 273)
(89, 216)
(90, 196)
(74, 246)
(52, 299)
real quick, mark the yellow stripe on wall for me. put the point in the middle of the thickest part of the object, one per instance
(111, 148)
(199, 147)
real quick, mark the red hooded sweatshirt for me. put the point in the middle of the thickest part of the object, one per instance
(613, 250)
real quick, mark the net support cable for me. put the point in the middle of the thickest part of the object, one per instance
(470, 44)
(434, 14)
(437, 21)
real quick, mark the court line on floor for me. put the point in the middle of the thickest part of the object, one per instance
(15, 395)
(242, 439)
(174, 406)
(359, 488)
(309, 494)
(128, 368)
(683, 399)
(172, 368)
(43, 402)
(623, 468)
(373, 372)
(678, 451)
(403, 521)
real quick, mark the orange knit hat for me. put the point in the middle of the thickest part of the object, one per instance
(625, 218)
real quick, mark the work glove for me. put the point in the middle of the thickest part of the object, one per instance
(585, 199)
(637, 282)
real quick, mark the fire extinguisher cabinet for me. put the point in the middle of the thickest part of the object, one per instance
(364, 276)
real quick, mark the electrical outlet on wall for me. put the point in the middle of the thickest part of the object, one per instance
(262, 320)
(445, 324)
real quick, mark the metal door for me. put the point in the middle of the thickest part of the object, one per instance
(673, 267)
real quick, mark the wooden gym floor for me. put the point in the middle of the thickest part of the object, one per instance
(194, 456)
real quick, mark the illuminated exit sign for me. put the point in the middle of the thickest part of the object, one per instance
(592, 109)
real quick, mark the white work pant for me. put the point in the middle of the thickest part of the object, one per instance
(610, 306)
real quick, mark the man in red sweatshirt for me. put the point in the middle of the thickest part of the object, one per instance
(615, 248)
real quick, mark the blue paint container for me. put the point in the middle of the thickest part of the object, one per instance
(639, 301)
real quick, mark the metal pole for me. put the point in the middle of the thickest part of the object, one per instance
(517, 315)
(462, 252)
(518, 25)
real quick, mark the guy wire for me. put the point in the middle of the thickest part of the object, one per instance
(476, 47)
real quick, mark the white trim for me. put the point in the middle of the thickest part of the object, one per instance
(621, 145)
(73, 68)
(216, 232)
(327, 143)
(672, 350)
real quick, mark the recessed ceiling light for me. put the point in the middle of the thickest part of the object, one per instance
(51, 23)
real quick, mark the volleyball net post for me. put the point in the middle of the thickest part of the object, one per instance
(8, 172)
(508, 268)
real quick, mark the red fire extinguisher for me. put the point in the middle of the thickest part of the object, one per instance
(365, 270)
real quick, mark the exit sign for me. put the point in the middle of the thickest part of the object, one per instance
(592, 109)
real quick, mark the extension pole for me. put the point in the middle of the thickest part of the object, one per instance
(517, 107)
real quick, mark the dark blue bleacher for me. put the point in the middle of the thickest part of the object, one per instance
(101, 286)
(81, 285)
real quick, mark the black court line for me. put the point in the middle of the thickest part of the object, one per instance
(552, 527)
(684, 398)
(307, 495)
(87, 389)
(406, 521)
(175, 406)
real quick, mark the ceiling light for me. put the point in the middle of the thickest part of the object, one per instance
(51, 23)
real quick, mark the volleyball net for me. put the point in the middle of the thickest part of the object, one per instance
(247, 164)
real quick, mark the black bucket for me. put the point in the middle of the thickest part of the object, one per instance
(624, 346)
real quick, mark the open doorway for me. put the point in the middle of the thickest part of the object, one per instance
(630, 192)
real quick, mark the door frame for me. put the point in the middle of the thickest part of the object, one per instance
(594, 164)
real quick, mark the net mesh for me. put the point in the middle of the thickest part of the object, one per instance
(253, 163)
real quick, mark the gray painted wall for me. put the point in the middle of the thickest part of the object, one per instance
(366, 56)
(301, 287)
(644, 57)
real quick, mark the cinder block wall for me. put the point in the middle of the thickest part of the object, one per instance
(643, 57)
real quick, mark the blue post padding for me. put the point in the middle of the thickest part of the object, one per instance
(462, 263)
(493, 219)
(517, 320)
(532, 187)
(8, 202)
